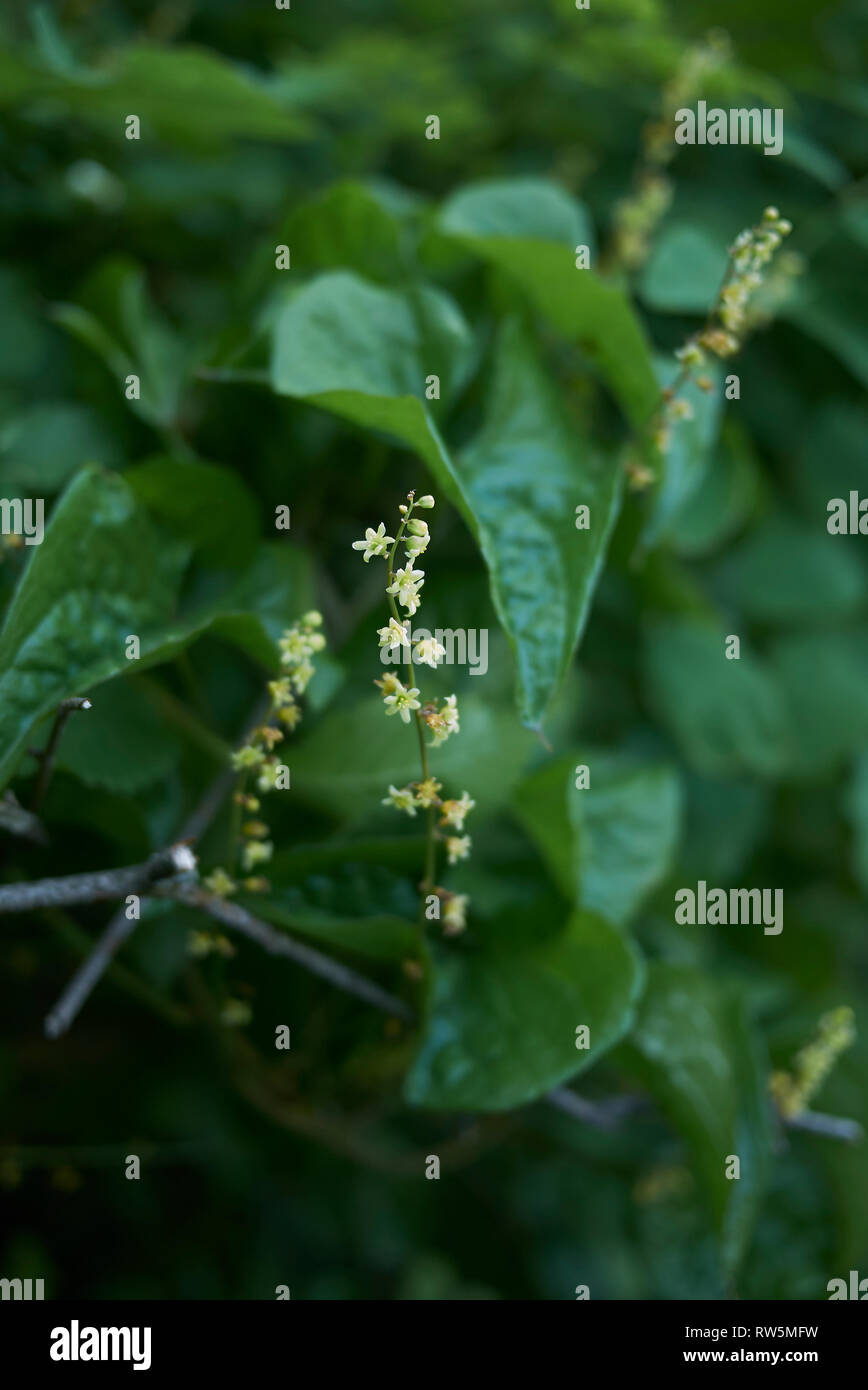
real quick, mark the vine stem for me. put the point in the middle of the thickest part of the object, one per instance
(430, 866)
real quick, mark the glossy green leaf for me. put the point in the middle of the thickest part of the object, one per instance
(526, 474)
(502, 1015)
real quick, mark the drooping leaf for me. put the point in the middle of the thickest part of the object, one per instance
(503, 1012)
(525, 475)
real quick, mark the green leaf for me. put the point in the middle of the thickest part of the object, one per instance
(503, 1012)
(822, 677)
(102, 574)
(180, 92)
(205, 504)
(525, 475)
(349, 225)
(519, 207)
(379, 937)
(346, 763)
(121, 744)
(684, 271)
(611, 843)
(361, 352)
(694, 1050)
(44, 445)
(789, 572)
(357, 350)
(118, 321)
(831, 304)
(711, 514)
(727, 716)
(687, 457)
(588, 310)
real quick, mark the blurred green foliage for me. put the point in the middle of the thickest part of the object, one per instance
(305, 388)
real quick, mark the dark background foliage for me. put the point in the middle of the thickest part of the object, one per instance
(306, 127)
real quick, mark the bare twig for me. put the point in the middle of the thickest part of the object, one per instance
(17, 821)
(834, 1126)
(602, 1114)
(120, 928)
(49, 753)
(279, 944)
(95, 887)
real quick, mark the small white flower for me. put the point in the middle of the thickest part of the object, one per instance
(457, 847)
(402, 702)
(449, 714)
(402, 798)
(395, 635)
(453, 812)
(256, 852)
(455, 914)
(406, 586)
(429, 652)
(375, 542)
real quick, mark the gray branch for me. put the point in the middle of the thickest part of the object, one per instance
(95, 887)
(277, 943)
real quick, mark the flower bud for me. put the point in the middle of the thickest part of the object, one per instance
(427, 501)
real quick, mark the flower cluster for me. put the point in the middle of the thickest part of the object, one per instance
(729, 319)
(637, 216)
(256, 759)
(439, 720)
(793, 1090)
